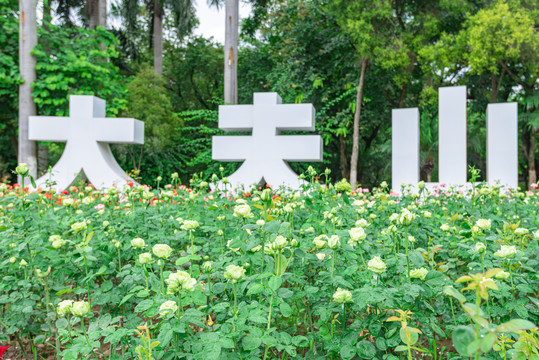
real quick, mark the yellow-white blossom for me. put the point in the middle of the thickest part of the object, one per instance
(420, 273)
(80, 308)
(189, 225)
(64, 307)
(483, 224)
(138, 243)
(243, 211)
(319, 241)
(145, 258)
(342, 296)
(168, 307)
(234, 272)
(506, 252)
(162, 251)
(377, 265)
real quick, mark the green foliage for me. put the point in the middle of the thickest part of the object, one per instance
(76, 61)
(195, 74)
(502, 34)
(148, 100)
(9, 81)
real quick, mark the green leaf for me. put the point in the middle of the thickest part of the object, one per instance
(451, 291)
(347, 352)
(251, 342)
(144, 305)
(515, 325)
(412, 334)
(462, 337)
(61, 323)
(416, 258)
(275, 283)
(365, 349)
(488, 341)
(255, 289)
(286, 310)
(258, 316)
(272, 226)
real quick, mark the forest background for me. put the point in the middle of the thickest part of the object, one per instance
(352, 59)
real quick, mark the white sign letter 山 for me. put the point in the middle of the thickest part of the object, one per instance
(88, 133)
(265, 152)
(502, 142)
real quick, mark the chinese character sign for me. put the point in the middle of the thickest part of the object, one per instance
(87, 133)
(265, 153)
(502, 142)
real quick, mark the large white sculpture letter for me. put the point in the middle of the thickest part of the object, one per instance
(88, 134)
(265, 152)
(502, 144)
(502, 156)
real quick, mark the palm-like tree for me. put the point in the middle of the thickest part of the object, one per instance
(232, 13)
(182, 10)
(27, 65)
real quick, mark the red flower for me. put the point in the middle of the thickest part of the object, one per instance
(3, 350)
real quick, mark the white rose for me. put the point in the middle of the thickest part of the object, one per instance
(162, 251)
(243, 211)
(64, 307)
(79, 226)
(58, 243)
(138, 243)
(234, 272)
(342, 296)
(319, 241)
(168, 307)
(506, 252)
(420, 273)
(333, 241)
(145, 258)
(377, 265)
(357, 234)
(483, 224)
(189, 225)
(480, 248)
(80, 308)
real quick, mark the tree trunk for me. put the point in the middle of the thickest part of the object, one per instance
(102, 13)
(158, 37)
(42, 158)
(27, 64)
(92, 9)
(532, 172)
(355, 138)
(97, 13)
(345, 173)
(231, 51)
(47, 14)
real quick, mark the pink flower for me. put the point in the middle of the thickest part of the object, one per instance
(100, 207)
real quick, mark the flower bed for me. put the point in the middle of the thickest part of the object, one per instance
(326, 273)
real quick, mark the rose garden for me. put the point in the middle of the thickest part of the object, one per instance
(134, 226)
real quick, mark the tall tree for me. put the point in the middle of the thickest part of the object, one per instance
(182, 11)
(27, 64)
(232, 13)
(366, 22)
(504, 39)
(97, 13)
